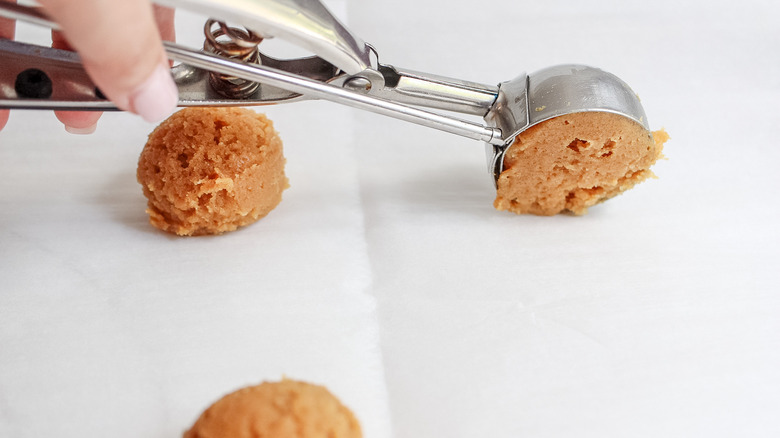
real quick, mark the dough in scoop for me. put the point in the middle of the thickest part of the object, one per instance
(572, 162)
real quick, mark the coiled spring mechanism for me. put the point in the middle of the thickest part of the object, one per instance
(232, 43)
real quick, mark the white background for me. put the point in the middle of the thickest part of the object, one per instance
(385, 273)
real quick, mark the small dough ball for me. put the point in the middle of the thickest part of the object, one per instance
(286, 409)
(572, 162)
(211, 170)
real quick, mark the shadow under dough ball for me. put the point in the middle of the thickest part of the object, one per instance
(211, 170)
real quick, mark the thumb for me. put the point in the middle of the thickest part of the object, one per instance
(120, 48)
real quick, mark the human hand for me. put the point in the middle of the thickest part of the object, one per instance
(121, 49)
(7, 28)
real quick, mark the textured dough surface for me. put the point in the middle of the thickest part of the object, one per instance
(286, 409)
(572, 162)
(211, 170)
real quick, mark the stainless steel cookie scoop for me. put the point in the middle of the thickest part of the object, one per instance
(344, 69)
(552, 92)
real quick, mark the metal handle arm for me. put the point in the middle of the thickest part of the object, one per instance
(67, 65)
(306, 23)
(316, 89)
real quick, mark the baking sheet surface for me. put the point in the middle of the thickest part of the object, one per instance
(385, 273)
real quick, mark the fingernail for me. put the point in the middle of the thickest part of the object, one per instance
(81, 131)
(156, 98)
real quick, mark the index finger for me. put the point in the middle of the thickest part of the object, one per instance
(81, 122)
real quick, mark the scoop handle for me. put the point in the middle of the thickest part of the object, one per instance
(306, 23)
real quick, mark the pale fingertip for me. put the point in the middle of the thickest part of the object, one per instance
(81, 131)
(3, 118)
(156, 97)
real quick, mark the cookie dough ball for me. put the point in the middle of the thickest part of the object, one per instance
(286, 409)
(211, 170)
(572, 162)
